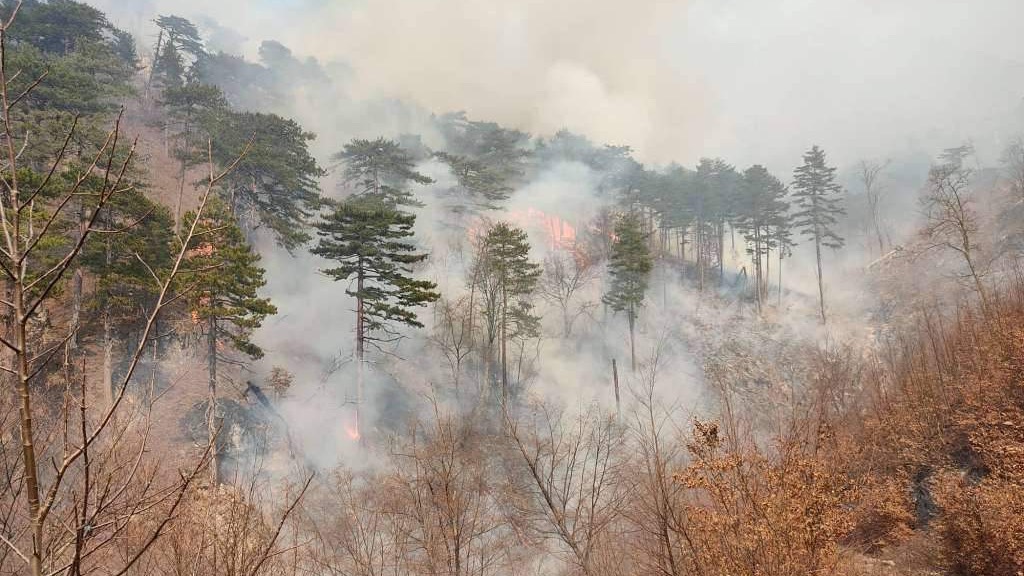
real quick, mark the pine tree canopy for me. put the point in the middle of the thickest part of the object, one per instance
(61, 27)
(762, 207)
(629, 266)
(223, 278)
(182, 34)
(123, 264)
(380, 168)
(276, 182)
(817, 199)
(507, 275)
(369, 241)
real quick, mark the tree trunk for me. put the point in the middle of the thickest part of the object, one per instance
(780, 276)
(28, 449)
(77, 282)
(700, 256)
(821, 283)
(152, 68)
(211, 408)
(632, 340)
(181, 179)
(108, 342)
(108, 353)
(767, 264)
(682, 253)
(757, 267)
(360, 353)
(721, 253)
(504, 337)
(615, 381)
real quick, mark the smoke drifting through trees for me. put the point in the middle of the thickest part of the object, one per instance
(483, 439)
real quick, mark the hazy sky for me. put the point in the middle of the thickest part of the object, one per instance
(751, 80)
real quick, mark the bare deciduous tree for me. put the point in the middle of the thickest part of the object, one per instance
(870, 173)
(565, 276)
(952, 222)
(574, 481)
(83, 485)
(453, 335)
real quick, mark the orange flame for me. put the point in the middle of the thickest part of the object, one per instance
(558, 232)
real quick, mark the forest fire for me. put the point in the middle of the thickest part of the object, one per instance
(558, 233)
(525, 299)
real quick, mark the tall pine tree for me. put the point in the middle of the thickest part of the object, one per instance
(762, 208)
(222, 280)
(121, 266)
(369, 240)
(818, 202)
(506, 278)
(380, 168)
(276, 183)
(630, 268)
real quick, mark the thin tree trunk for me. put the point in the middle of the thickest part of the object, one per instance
(108, 353)
(360, 354)
(504, 367)
(757, 267)
(721, 253)
(821, 283)
(77, 283)
(108, 342)
(211, 409)
(767, 264)
(615, 381)
(152, 68)
(31, 471)
(181, 182)
(632, 341)
(780, 276)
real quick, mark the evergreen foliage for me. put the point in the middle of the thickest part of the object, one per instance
(381, 169)
(629, 269)
(368, 239)
(223, 280)
(276, 183)
(818, 205)
(762, 213)
(506, 277)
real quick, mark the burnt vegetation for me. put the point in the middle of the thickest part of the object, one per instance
(155, 422)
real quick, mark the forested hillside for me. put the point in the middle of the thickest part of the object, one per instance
(245, 335)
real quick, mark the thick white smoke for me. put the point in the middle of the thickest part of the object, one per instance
(752, 81)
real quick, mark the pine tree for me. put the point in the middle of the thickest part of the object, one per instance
(222, 282)
(716, 186)
(122, 267)
(380, 168)
(630, 268)
(182, 36)
(185, 105)
(168, 67)
(368, 238)
(276, 183)
(506, 278)
(816, 196)
(761, 210)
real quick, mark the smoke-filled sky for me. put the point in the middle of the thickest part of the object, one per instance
(750, 80)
